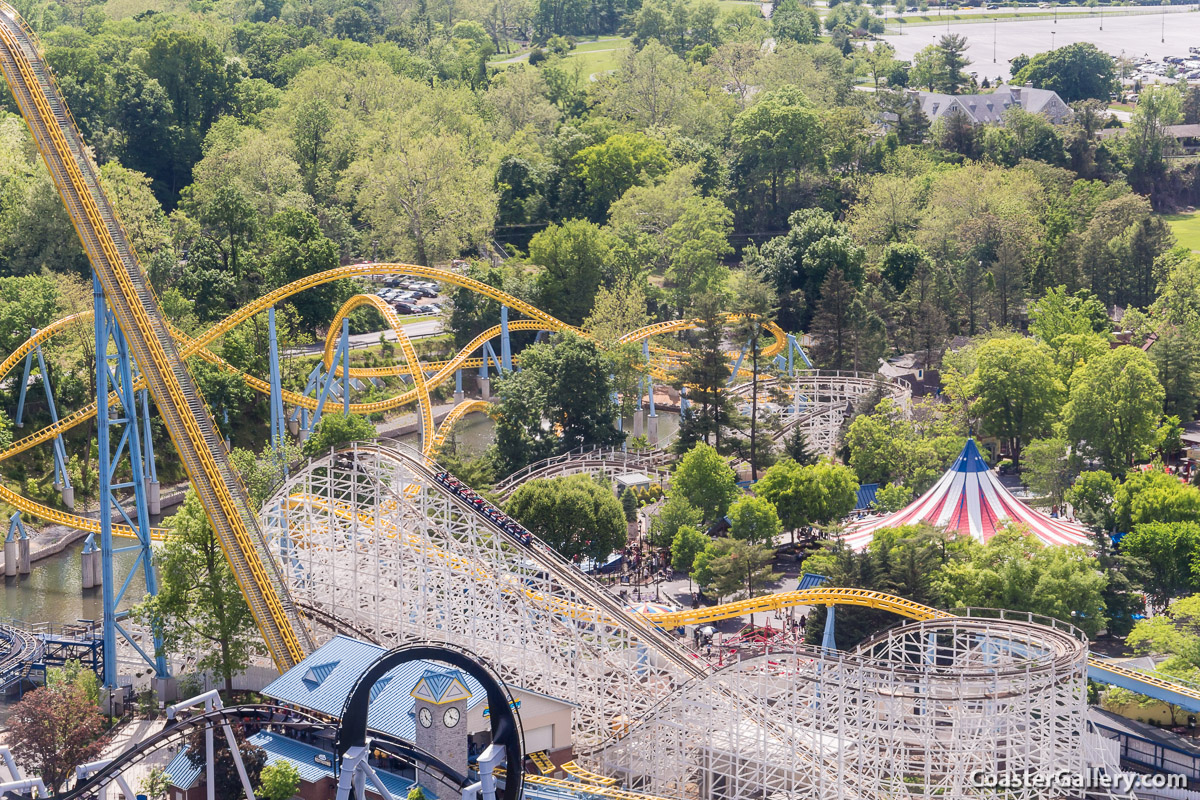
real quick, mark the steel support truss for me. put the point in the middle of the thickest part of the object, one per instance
(123, 442)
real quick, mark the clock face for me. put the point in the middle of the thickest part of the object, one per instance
(451, 717)
(426, 717)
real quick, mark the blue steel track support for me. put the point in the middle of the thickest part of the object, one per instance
(61, 479)
(649, 377)
(505, 345)
(114, 370)
(341, 356)
(278, 420)
(828, 642)
(150, 469)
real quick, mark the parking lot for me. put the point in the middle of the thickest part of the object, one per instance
(991, 46)
(410, 296)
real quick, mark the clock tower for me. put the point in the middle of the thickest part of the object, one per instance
(441, 715)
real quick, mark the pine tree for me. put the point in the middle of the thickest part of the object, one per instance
(831, 324)
(705, 373)
(797, 448)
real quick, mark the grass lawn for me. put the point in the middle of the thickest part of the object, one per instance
(1186, 228)
(601, 55)
(1120, 107)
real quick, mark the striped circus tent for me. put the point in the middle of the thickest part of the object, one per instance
(970, 500)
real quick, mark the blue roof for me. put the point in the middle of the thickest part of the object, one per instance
(180, 772)
(970, 460)
(866, 496)
(810, 580)
(323, 680)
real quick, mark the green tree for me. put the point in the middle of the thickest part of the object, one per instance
(1147, 144)
(1078, 71)
(156, 785)
(335, 430)
(73, 673)
(777, 138)
(199, 84)
(799, 262)
(1114, 406)
(793, 21)
(706, 481)
(729, 566)
(1175, 632)
(610, 168)
(298, 248)
(688, 543)
(753, 519)
(566, 382)
(574, 258)
(1092, 495)
(705, 377)
(279, 781)
(1171, 551)
(1058, 314)
(575, 515)
(26, 302)
(1014, 570)
(1154, 496)
(675, 513)
(1018, 388)
(754, 301)
(951, 60)
(1050, 467)
(797, 448)
(428, 194)
(818, 494)
(199, 607)
(892, 497)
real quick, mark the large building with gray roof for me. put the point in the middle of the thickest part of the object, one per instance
(988, 109)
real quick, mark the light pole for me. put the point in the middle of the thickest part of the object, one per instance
(995, 25)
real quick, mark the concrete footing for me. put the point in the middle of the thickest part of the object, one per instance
(153, 498)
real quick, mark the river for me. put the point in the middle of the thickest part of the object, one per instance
(52, 593)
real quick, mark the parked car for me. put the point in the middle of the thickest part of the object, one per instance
(404, 308)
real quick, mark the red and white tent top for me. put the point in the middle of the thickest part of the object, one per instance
(970, 500)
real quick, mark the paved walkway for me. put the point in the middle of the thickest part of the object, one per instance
(128, 735)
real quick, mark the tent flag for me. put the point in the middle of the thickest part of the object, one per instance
(969, 500)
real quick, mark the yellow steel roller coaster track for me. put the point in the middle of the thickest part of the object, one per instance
(442, 370)
(140, 318)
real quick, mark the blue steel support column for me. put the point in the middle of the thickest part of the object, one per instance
(827, 640)
(109, 623)
(346, 367)
(458, 381)
(61, 479)
(60, 451)
(278, 423)
(17, 420)
(129, 443)
(738, 365)
(151, 470)
(505, 345)
(649, 377)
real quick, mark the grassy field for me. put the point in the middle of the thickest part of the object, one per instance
(1186, 228)
(601, 55)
